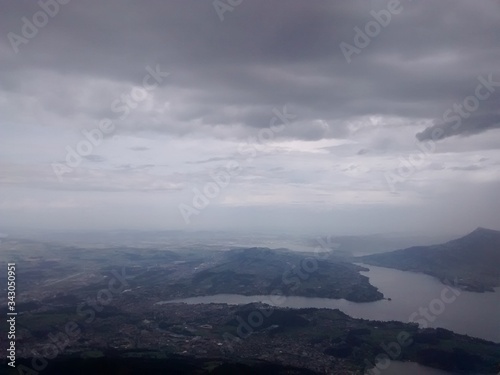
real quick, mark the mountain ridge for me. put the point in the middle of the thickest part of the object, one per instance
(471, 261)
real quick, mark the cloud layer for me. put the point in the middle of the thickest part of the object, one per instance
(392, 129)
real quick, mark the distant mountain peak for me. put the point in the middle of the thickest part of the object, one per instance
(474, 259)
(479, 234)
(481, 230)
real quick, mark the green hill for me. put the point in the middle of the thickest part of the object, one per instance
(262, 271)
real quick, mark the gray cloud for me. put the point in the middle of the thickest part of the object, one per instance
(470, 116)
(353, 121)
(264, 54)
(94, 158)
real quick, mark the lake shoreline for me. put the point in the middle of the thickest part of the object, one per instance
(409, 293)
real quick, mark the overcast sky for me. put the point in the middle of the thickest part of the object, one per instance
(314, 116)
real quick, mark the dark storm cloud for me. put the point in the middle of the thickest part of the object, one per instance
(263, 55)
(474, 124)
(471, 116)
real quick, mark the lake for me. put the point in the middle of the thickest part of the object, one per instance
(413, 295)
(422, 297)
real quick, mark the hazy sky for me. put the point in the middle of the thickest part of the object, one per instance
(312, 115)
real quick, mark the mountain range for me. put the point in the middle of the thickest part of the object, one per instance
(472, 262)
